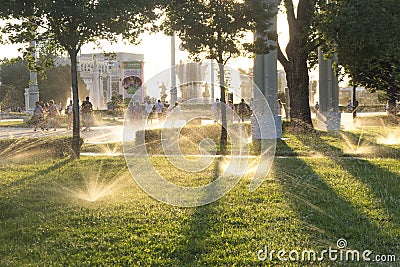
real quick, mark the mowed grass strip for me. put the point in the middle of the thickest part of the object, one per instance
(91, 212)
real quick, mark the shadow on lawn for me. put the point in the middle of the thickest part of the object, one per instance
(326, 215)
(348, 145)
(25, 192)
(197, 241)
(36, 176)
(384, 185)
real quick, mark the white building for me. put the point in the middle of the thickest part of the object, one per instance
(104, 75)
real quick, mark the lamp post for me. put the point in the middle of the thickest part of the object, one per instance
(174, 91)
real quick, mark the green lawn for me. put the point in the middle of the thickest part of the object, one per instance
(49, 218)
(90, 212)
(12, 123)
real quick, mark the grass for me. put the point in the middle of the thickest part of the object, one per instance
(90, 212)
(12, 123)
(48, 217)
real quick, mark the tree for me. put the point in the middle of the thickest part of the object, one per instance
(215, 30)
(365, 36)
(302, 46)
(65, 25)
(14, 80)
(383, 74)
(54, 83)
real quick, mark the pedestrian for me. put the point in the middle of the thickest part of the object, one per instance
(52, 115)
(243, 110)
(280, 107)
(354, 110)
(69, 111)
(175, 112)
(159, 106)
(350, 106)
(60, 108)
(87, 114)
(37, 118)
(148, 108)
(137, 113)
(216, 108)
(316, 107)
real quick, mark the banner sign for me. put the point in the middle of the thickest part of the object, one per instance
(132, 73)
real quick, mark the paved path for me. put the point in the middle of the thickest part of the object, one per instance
(103, 134)
(109, 134)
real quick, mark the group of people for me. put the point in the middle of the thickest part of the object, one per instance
(150, 111)
(243, 110)
(45, 115)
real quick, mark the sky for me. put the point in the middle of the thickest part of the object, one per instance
(156, 49)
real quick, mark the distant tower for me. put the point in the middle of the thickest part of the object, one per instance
(32, 93)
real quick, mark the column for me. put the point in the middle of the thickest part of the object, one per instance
(32, 93)
(266, 79)
(328, 115)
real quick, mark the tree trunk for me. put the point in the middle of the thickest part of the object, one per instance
(295, 64)
(391, 101)
(298, 82)
(354, 102)
(76, 138)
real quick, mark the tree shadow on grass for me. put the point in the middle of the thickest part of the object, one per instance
(22, 191)
(383, 183)
(283, 150)
(385, 186)
(36, 176)
(317, 146)
(196, 242)
(326, 215)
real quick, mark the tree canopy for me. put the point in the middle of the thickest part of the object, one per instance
(54, 84)
(65, 25)
(217, 30)
(365, 36)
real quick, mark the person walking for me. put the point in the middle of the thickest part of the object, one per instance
(148, 108)
(159, 109)
(52, 115)
(137, 113)
(175, 112)
(243, 110)
(216, 108)
(280, 107)
(69, 111)
(87, 114)
(38, 116)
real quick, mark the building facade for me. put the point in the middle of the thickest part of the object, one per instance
(108, 74)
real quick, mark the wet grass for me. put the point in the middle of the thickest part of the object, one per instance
(90, 212)
(305, 203)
